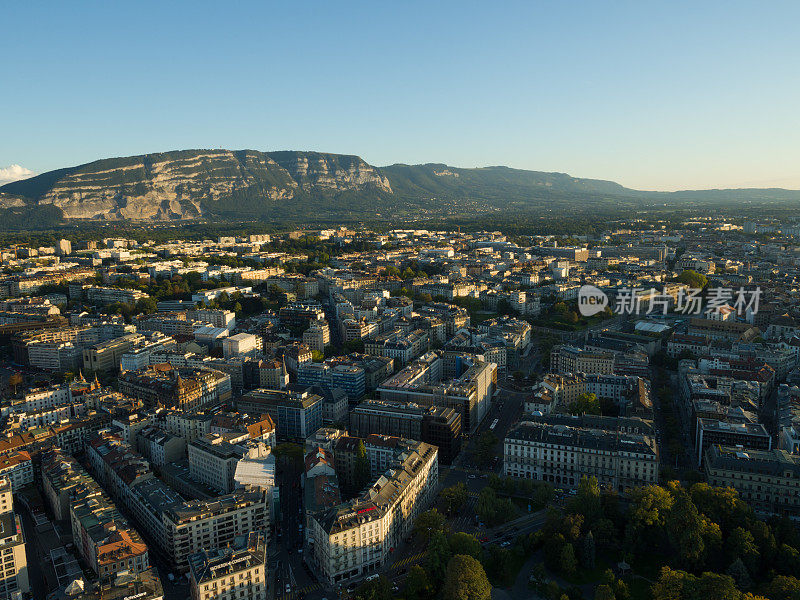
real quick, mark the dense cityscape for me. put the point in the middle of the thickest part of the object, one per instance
(403, 413)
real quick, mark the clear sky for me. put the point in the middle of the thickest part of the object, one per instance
(668, 95)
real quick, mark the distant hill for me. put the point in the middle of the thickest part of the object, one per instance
(304, 186)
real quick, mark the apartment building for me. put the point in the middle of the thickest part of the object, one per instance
(296, 413)
(563, 454)
(317, 336)
(188, 426)
(110, 295)
(104, 539)
(213, 459)
(178, 527)
(17, 469)
(160, 447)
(184, 388)
(570, 359)
(768, 480)
(197, 525)
(232, 573)
(353, 330)
(332, 374)
(65, 481)
(747, 436)
(37, 399)
(13, 560)
(272, 375)
(469, 392)
(217, 317)
(355, 539)
(439, 426)
(106, 356)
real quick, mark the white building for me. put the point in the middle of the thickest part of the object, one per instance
(241, 344)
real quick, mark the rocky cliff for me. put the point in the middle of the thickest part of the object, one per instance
(192, 183)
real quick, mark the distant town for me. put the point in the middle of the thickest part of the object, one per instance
(349, 413)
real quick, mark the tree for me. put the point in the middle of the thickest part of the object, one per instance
(569, 564)
(677, 585)
(486, 445)
(429, 523)
(588, 553)
(603, 592)
(693, 279)
(464, 543)
(15, 380)
(650, 506)
(486, 505)
(377, 589)
(741, 545)
(587, 500)
(418, 585)
(146, 305)
(586, 403)
(438, 556)
(317, 356)
(361, 469)
(465, 579)
(454, 497)
(783, 588)
(741, 576)
(787, 560)
(497, 562)
(689, 533)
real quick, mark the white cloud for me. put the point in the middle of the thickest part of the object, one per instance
(14, 173)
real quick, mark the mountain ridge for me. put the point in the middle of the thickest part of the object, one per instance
(285, 185)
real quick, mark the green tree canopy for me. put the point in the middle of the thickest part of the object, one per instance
(428, 523)
(693, 279)
(464, 543)
(418, 585)
(465, 579)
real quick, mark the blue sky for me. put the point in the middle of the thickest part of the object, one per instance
(667, 95)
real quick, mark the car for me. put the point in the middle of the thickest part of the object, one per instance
(471, 476)
(288, 588)
(299, 550)
(484, 538)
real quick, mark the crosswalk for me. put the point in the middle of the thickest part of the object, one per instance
(466, 512)
(408, 561)
(297, 593)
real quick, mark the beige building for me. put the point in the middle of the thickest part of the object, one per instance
(107, 356)
(768, 480)
(230, 573)
(569, 359)
(317, 336)
(563, 454)
(355, 539)
(13, 561)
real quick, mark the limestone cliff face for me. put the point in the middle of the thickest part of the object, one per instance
(334, 171)
(192, 183)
